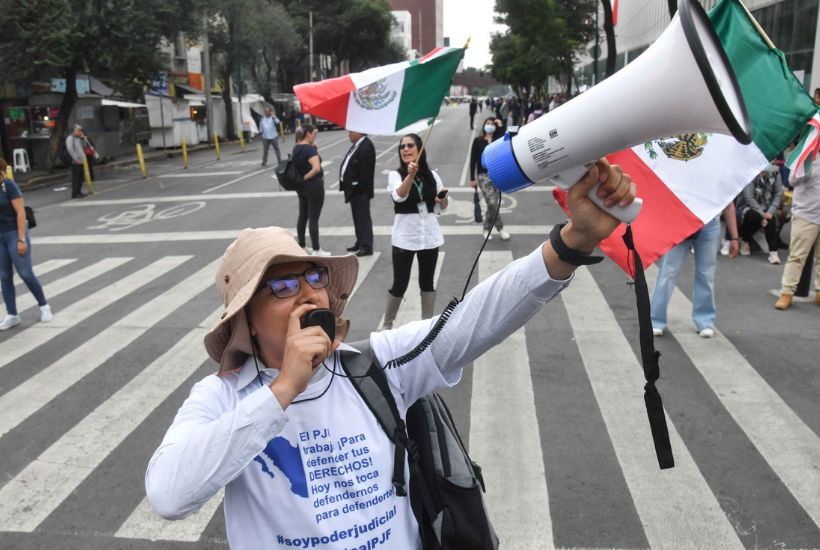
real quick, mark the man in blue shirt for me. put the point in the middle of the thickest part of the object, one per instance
(269, 136)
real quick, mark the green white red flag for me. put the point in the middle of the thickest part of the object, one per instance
(802, 159)
(687, 180)
(384, 100)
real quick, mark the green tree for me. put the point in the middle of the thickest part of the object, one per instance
(119, 38)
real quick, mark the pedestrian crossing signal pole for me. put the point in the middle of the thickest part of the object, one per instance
(216, 145)
(142, 160)
(87, 174)
(185, 153)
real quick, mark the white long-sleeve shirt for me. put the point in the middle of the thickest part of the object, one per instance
(318, 475)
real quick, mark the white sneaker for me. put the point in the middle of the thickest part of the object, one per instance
(505, 236)
(744, 248)
(724, 248)
(10, 321)
(488, 235)
(45, 314)
(774, 257)
(708, 332)
(657, 331)
(320, 252)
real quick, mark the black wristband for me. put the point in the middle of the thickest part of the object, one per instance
(567, 254)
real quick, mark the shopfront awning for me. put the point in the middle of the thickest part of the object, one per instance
(123, 104)
(183, 89)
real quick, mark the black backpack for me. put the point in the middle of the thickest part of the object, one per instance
(446, 487)
(288, 175)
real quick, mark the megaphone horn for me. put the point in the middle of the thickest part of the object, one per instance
(682, 84)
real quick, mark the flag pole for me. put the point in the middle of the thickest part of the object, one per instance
(760, 30)
(429, 131)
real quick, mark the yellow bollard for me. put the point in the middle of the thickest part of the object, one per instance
(216, 145)
(9, 173)
(185, 153)
(142, 161)
(281, 130)
(241, 142)
(87, 174)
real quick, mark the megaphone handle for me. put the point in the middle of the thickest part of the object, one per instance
(626, 215)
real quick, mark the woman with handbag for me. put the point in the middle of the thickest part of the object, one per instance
(15, 252)
(312, 190)
(481, 179)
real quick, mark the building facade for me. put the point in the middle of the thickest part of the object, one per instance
(401, 31)
(792, 25)
(427, 29)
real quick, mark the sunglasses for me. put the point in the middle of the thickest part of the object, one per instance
(407, 146)
(286, 286)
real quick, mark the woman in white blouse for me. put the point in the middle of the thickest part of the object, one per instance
(418, 196)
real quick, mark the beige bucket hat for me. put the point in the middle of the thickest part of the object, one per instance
(245, 262)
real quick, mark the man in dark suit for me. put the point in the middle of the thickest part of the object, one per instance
(356, 182)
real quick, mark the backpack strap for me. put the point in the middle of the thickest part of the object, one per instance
(367, 376)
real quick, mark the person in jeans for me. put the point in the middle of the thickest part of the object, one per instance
(706, 242)
(75, 146)
(270, 137)
(312, 194)
(16, 252)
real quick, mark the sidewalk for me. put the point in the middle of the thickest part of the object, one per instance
(40, 178)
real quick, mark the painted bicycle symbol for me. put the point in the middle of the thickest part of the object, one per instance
(144, 213)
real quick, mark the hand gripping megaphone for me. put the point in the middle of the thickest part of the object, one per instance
(682, 84)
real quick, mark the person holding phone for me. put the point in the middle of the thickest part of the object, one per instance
(302, 460)
(481, 179)
(415, 191)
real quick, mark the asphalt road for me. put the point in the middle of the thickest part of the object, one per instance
(554, 414)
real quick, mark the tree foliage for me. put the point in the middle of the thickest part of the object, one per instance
(544, 39)
(116, 38)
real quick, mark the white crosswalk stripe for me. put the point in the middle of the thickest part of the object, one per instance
(74, 280)
(38, 390)
(516, 497)
(768, 421)
(27, 340)
(674, 505)
(675, 508)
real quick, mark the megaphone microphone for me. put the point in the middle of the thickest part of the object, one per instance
(682, 84)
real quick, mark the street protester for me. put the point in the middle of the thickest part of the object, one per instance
(312, 193)
(481, 179)
(418, 196)
(16, 253)
(270, 136)
(75, 146)
(301, 458)
(356, 182)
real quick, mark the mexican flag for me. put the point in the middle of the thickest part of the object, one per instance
(687, 180)
(384, 100)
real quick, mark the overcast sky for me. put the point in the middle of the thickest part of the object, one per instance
(465, 18)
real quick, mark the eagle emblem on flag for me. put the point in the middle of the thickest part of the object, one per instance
(374, 96)
(683, 147)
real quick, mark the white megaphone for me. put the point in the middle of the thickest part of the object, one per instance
(682, 84)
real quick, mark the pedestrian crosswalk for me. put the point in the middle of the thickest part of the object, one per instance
(685, 507)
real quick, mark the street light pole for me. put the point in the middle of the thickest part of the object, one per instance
(206, 66)
(310, 19)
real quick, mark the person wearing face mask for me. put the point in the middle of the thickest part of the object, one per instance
(481, 179)
(417, 197)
